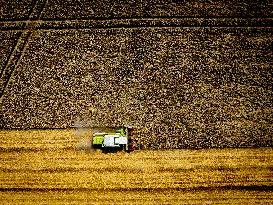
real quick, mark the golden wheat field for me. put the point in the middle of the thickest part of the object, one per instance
(48, 167)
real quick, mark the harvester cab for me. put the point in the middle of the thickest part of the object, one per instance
(113, 141)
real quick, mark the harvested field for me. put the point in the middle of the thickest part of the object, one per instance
(44, 165)
(65, 9)
(14, 10)
(160, 8)
(186, 87)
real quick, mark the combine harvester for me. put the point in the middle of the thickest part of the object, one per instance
(116, 140)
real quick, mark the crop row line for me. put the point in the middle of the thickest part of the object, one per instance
(194, 188)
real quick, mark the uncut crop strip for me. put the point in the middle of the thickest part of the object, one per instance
(19, 48)
(52, 165)
(49, 169)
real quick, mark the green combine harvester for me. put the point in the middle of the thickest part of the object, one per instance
(113, 141)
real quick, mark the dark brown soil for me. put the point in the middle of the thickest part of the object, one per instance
(184, 73)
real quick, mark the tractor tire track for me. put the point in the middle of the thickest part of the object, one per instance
(38, 9)
(11, 50)
(13, 61)
(153, 22)
(19, 48)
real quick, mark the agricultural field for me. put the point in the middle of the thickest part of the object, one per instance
(194, 77)
(194, 87)
(57, 9)
(192, 74)
(57, 167)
